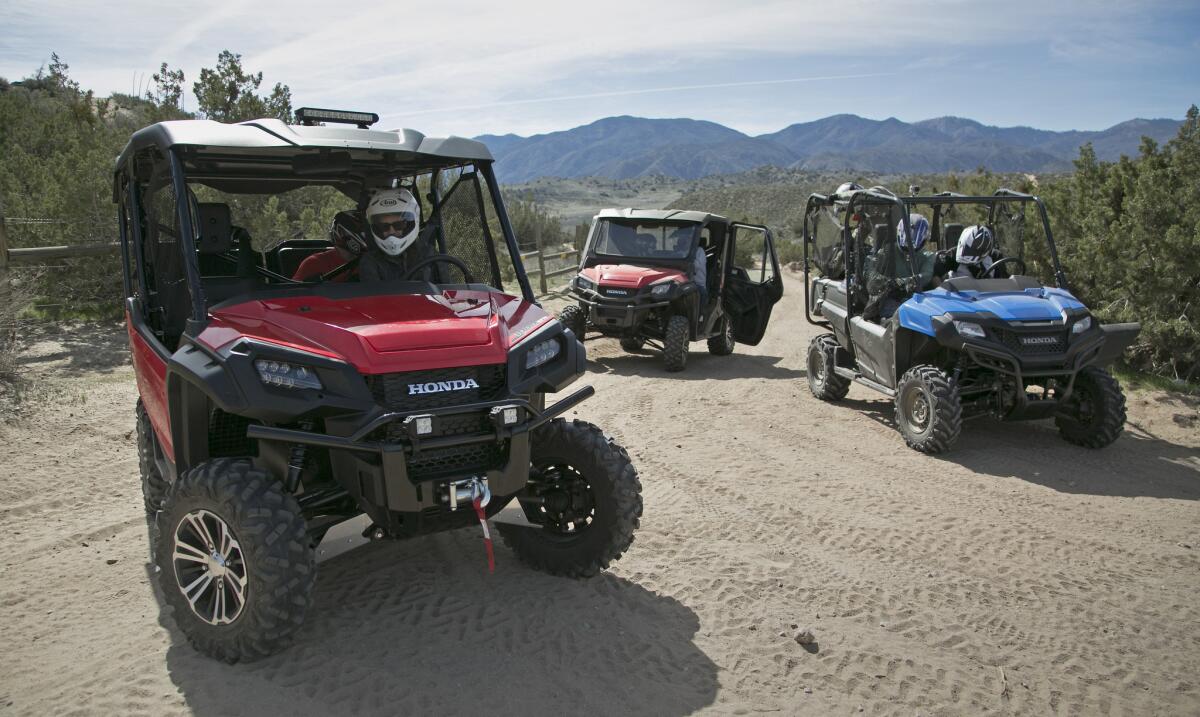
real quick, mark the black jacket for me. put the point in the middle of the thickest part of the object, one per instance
(377, 266)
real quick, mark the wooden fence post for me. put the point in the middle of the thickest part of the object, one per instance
(3, 244)
(8, 334)
(541, 254)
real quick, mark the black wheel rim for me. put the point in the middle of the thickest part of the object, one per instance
(1085, 405)
(916, 410)
(210, 568)
(564, 499)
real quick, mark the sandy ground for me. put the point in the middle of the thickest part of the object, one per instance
(1017, 575)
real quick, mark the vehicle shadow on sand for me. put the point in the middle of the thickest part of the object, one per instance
(419, 627)
(700, 366)
(1138, 464)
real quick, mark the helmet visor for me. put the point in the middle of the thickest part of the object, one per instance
(400, 225)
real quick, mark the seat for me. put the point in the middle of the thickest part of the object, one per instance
(951, 234)
(213, 239)
(286, 257)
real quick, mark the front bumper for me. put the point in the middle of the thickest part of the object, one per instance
(615, 314)
(376, 472)
(1002, 352)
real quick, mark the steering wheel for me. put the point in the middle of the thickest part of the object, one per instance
(454, 261)
(991, 270)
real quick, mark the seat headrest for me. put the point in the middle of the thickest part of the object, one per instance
(951, 234)
(881, 234)
(214, 225)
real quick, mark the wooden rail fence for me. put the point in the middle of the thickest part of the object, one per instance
(9, 256)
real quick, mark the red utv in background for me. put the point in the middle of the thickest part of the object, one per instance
(638, 282)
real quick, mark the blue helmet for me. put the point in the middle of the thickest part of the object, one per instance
(920, 230)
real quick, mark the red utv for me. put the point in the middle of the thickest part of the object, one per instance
(670, 277)
(272, 409)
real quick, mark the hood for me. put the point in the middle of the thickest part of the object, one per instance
(630, 276)
(1028, 305)
(387, 333)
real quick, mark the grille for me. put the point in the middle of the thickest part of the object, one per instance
(227, 435)
(391, 390)
(1047, 342)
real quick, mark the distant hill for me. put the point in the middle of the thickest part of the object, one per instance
(627, 147)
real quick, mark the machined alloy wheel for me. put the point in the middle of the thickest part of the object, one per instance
(210, 569)
(235, 561)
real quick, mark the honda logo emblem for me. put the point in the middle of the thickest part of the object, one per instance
(440, 386)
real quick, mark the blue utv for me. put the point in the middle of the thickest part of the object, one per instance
(928, 300)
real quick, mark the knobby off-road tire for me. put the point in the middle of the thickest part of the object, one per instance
(631, 344)
(928, 410)
(1096, 410)
(578, 455)
(823, 381)
(722, 344)
(264, 548)
(574, 318)
(154, 484)
(675, 343)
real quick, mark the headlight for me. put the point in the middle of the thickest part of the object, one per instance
(280, 373)
(541, 353)
(1082, 325)
(968, 328)
(584, 283)
(662, 289)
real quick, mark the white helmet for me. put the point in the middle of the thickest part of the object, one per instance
(394, 218)
(974, 245)
(847, 188)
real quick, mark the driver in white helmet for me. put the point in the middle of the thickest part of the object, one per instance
(973, 255)
(394, 222)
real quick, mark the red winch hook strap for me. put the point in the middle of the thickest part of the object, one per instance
(487, 534)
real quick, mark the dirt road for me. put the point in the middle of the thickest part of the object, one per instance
(1018, 575)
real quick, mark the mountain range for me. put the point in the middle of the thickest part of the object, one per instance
(626, 147)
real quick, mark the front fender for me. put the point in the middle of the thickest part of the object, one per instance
(1117, 338)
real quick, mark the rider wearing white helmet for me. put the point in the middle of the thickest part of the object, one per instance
(394, 222)
(973, 254)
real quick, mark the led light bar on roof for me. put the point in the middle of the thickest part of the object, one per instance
(310, 116)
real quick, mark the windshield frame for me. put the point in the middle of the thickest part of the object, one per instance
(183, 166)
(594, 255)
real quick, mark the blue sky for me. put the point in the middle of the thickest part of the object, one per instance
(527, 67)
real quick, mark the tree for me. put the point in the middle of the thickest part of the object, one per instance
(168, 88)
(227, 93)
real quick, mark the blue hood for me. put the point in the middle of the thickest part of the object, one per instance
(1028, 305)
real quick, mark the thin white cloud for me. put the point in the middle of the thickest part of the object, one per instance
(643, 91)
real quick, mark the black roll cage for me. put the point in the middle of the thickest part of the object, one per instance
(199, 314)
(877, 197)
